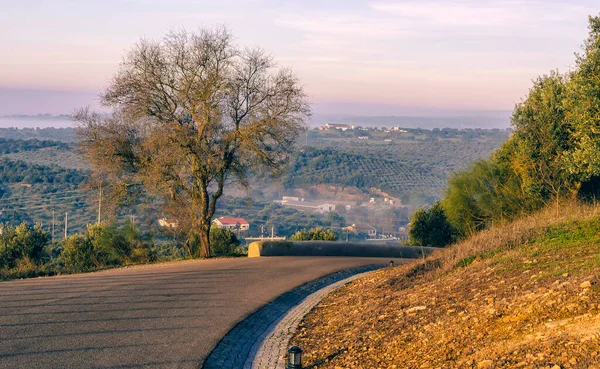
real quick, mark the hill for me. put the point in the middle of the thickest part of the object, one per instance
(42, 172)
(411, 164)
(48, 133)
(522, 295)
(314, 166)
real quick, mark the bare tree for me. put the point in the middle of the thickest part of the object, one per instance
(191, 113)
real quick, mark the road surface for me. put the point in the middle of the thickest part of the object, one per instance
(158, 316)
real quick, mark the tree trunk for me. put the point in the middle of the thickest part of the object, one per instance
(204, 242)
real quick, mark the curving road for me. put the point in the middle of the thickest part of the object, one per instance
(158, 316)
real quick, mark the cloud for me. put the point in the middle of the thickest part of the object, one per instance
(482, 13)
(347, 25)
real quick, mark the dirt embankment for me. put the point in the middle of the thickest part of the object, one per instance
(525, 295)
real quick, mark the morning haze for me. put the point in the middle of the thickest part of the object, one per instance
(266, 184)
(354, 57)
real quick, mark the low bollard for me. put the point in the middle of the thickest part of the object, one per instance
(294, 358)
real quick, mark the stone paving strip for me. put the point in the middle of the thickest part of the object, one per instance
(273, 350)
(260, 341)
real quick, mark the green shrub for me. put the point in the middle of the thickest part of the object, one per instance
(101, 246)
(110, 247)
(78, 254)
(314, 234)
(223, 242)
(141, 256)
(431, 227)
(21, 242)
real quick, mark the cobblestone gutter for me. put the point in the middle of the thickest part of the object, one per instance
(260, 341)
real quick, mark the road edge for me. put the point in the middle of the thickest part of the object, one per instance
(239, 347)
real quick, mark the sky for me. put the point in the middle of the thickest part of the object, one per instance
(380, 57)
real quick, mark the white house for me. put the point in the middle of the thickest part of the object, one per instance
(341, 127)
(300, 203)
(232, 223)
(168, 223)
(325, 208)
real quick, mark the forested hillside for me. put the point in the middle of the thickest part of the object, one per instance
(47, 134)
(39, 176)
(552, 155)
(412, 164)
(334, 166)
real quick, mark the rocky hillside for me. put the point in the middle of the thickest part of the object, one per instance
(522, 295)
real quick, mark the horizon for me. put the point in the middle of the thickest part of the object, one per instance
(358, 58)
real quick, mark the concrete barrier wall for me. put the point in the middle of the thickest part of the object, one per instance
(328, 248)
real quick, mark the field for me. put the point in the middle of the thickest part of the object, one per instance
(42, 173)
(48, 156)
(413, 165)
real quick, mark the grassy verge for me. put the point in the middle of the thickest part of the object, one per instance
(524, 295)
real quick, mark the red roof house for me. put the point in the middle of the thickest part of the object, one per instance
(232, 223)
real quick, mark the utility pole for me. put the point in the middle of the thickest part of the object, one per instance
(272, 233)
(66, 223)
(99, 203)
(53, 221)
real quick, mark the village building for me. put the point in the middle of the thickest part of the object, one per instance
(300, 203)
(168, 223)
(232, 223)
(367, 229)
(341, 127)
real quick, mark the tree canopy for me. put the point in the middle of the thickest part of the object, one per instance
(191, 113)
(430, 227)
(314, 234)
(553, 153)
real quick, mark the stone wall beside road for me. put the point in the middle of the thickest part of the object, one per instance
(330, 248)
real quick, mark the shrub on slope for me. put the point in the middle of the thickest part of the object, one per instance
(521, 295)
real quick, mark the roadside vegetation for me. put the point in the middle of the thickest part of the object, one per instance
(521, 295)
(27, 251)
(519, 285)
(314, 234)
(413, 165)
(551, 155)
(192, 112)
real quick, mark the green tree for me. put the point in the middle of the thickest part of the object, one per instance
(430, 227)
(223, 241)
(78, 254)
(314, 234)
(418, 231)
(582, 106)
(192, 113)
(21, 242)
(544, 138)
(488, 191)
(335, 219)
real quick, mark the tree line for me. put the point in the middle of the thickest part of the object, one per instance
(26, 250)
(8, 146)
(553, 154)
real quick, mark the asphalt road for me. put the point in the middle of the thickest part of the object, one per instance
(161, 316)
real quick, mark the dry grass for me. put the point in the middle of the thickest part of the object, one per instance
(520, 295)
(507, 236)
